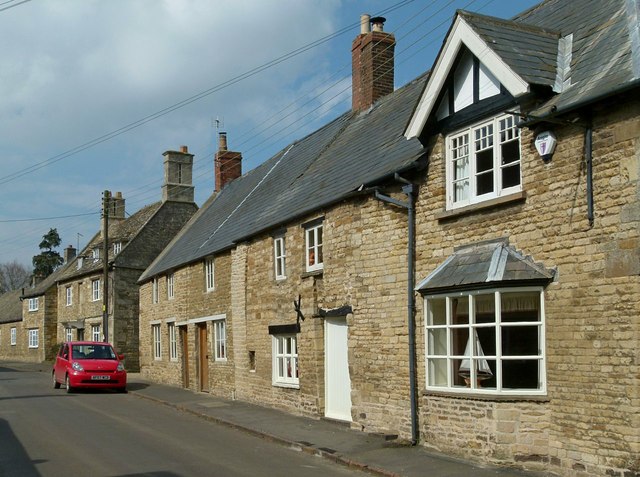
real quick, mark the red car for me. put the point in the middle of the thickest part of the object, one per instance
(89, 364)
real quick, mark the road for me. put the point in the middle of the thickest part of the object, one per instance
(46, 432)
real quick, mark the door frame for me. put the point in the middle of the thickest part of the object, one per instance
(202, 339)
(184, 341)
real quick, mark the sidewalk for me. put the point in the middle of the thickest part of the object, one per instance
(331, 440)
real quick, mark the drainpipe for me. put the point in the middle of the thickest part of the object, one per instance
(409, 190)
(588, 152)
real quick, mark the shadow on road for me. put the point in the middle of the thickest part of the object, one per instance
(13, 458)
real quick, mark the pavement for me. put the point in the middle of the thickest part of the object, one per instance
(372, 453)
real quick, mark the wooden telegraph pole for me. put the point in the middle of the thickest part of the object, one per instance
(106, 203)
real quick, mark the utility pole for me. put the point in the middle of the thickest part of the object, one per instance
(106, 203)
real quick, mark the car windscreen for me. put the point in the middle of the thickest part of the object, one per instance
(92, 352)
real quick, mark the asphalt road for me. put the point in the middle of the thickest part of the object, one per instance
(46, 432)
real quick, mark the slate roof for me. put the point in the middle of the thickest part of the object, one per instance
(353, 150)
(485, 265)
(10, 307)
(605, 54)
(119, 231)
(531, 51)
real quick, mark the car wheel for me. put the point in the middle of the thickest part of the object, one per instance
(67, 384)
(56, 384)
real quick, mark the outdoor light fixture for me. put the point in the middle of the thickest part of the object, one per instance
(545, 145)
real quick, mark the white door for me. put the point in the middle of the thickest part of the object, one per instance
(336, 370)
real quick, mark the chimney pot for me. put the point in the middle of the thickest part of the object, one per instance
(378, 23)
(222, 141)
(184, 149)
(365, 23)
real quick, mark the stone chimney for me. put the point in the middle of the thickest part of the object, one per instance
(116, 207)
(227, 164)
(69, 254)
(372, 54)
(178, 169)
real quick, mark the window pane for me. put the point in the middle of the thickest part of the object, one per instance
(460, 310)
(436, 314)
(520, 374)
(520, 307)
(484, 160)
(511, 176)
(461, 191)
(460, 337)
(510, 152)
(520, 340)
(437, 372)
(438, 342)
(485, 308)
(484, 183)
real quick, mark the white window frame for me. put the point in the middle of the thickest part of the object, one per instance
(95, 290)
(117, 248)
(68, 334)
(95, 253)
(69, 295)
(220, 340)
(474, 385)
(33, 304)
(170, 286)
(33, 338)
(13, 336)
(96, 333)
(209, 274)
(462, 148)
(173, 341)
(313, 248)
(280, 258)
(156, 333)
(285, 361)
(154, 291)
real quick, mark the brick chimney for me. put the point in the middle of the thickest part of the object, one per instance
(372, 54)
(227, 164)
(178, 170)
(69, 253)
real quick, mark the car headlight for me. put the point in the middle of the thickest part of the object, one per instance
(77, 366)
(120, 367)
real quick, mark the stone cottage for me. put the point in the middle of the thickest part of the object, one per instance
(133, 243)
(28, 318)
(456, 262)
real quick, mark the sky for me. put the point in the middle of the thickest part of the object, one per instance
(92, 92)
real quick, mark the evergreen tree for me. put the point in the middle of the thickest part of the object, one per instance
(47, 260)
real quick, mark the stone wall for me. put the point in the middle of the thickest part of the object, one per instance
(191, 308)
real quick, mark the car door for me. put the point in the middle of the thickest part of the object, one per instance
(62, 361)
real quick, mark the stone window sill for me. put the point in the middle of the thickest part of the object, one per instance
(315, 273)
(493, 203)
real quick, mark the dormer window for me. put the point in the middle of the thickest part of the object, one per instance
(95, 253)
(117, 248)
(483, 162)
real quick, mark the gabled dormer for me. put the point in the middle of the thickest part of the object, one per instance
(487, 70)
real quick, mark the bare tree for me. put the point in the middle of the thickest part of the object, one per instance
(13, 275)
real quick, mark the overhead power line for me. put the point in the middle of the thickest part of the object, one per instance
(181, 104)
